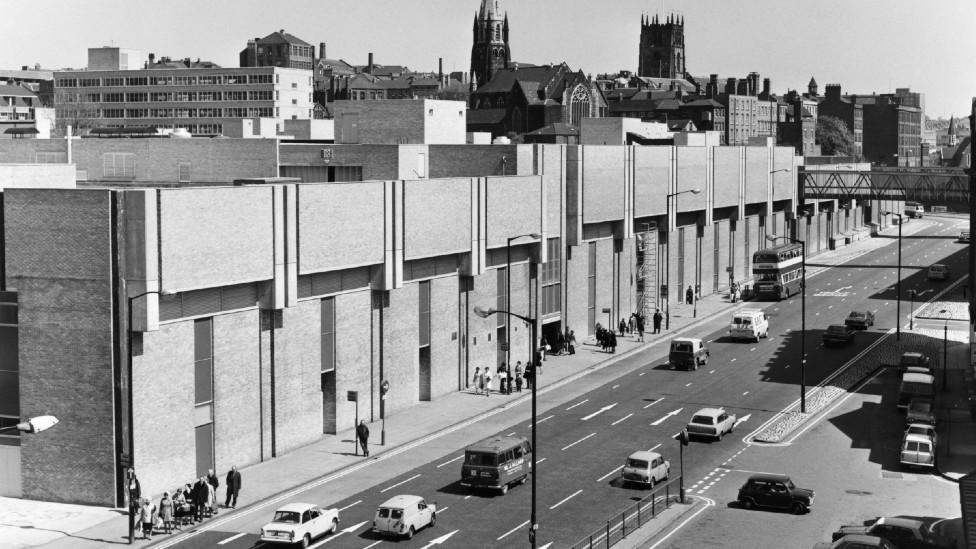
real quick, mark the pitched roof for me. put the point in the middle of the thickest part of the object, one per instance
(504, 79)
(9, 90)
(388, 70)
(706, 102)
(282, 37)
(364, 82)
(485, 116)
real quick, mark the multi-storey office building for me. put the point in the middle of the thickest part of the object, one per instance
(196, 99)
(268, 302)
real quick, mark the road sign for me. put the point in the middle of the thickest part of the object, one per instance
(729, 270)
(352, 396)
(606, 310)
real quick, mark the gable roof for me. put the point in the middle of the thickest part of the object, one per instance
(10, 90)
(282, 37)
(504, 79)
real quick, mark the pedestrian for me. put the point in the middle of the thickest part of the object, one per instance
(214, 483)
(658, 317)
(689, 295)
(518, 376)
(181, 509)
(571, 342)
(508, 380)
(487, 382)
(135, 492)
(362, 433)
(612, 341)
(544, 346)
(501, 378)
(623, 327)
(560, 344)
(631, 323)
(529, 375)
(639, 321)
(233, 487)
(200, 495)
(147, 516)
(166, 512)
(478, 381)
(211, 499)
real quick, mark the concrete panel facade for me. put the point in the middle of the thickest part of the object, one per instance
(691, 166)
(514, 207)
(757, 174)
(727, 162)
(603, 190)
(297, 372)
(340, 225)
(445, 229)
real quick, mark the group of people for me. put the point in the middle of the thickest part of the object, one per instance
(607, 338)
(509, 379)
(562, 344)
(190, 503)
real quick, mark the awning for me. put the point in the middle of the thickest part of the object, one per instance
(22, 131)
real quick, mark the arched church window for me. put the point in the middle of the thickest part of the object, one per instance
(579, 105)
(498, 32)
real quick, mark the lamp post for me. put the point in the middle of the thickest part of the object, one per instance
(508, 294)
(485, 313)
(911, 310)
(667, 272)
(127, 399)
(32, 425)
(803, 316)
(898, 302)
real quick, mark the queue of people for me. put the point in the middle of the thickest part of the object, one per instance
(190, 503)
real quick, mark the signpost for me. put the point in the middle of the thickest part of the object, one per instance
(609, 320)
(353, 396)
(384, 388)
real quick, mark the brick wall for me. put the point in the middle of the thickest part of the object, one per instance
(401, 344)
(356, 360)
(444, 336)
(237, 390)
(297, 372)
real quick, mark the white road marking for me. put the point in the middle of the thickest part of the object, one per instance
(621, 419)
(656, 446)
(615, 386)
(451, 461)
(388, 488)
(745, 393)
(752, 350)
(598, 412)
(374, 544)
(653, 403)
(357, 502)
(669, 414)
(538, 461)
(610, 473)
(510, 532)
(578, 441)
(640, 374)
(584, 401)
(232, 538)
(510, 434)
(711, 371)
(467, 497)
(576, 493)
(545, 418)
(688, 384)
(733, 360)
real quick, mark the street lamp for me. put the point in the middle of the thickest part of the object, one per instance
(485, 313)
(667, 272)
(803, 316)
(898, 302)
(508, 294)
(32, 425)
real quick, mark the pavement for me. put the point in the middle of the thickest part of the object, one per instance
(25, 523)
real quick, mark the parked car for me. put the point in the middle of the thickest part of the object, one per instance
(917, 451)
(938, 271)
(913, 359)
(920, 410)
(838, 334)
(860, 320)
(300, 523)
(645, 467)
(711, 422)
(404, 515)
(905, 533)
(688, 353)
(948, 530)
(922, 429)
(964, 236)
(775, 491)
(855, 541)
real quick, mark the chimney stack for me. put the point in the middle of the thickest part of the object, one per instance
(730, 86)
(766, 87)
(152, 58)
(321, 50)
(369, 66)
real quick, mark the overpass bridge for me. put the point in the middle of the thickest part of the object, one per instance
(928, 185)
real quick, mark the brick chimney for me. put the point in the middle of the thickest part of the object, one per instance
(730, 86)
(712, 90)
(369, 66)
(321, 50)
(152, 58)
(832, 91)
(766, 87)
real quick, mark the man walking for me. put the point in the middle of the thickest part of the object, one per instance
(233, 487)
(518, 376)
(658, 317)
(214, 482)
(362, 433)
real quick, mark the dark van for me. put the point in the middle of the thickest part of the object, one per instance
(497, 463)
(915, 385)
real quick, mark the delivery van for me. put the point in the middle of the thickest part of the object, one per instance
(750, 324)
(497, 463)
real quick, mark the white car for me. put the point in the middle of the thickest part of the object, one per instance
(300, 523)
(711, 422)
(404, 516)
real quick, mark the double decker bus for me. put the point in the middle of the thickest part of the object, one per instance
(777, 271)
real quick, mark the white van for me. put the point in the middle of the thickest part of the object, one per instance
(749, 324)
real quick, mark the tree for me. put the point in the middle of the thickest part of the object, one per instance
(834, 138)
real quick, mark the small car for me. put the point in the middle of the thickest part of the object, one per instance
(964, 236)
(856, 541)
(300, 523)
(948, 529)
(711, 422)
(920, 410)
(913, 359)
(688, 353)
(775, 491)
(938, 271)
(403, 516)
(904, 533)
(838, 334)
(917, 451)
(646, 468)
(860, 320)
(923, 429)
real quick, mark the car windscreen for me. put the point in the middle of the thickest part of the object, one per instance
(703, 420)
(483, 459)
(637, 463)
(287, 517)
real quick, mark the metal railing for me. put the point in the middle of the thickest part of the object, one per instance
(620, 525)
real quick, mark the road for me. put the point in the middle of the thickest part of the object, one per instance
(587, 429)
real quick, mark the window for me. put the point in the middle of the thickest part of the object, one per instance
(113, 81)
(114, 97)
(328, 336)
(118, 165)
(89, 82)
(424, 313)
(294, 85)
(137, 81)
(9, 372)
(67, 82)
(501, 299)
(161, 81)
(580, 105)
(591, 286)
(259, 79)
(203, 360)
(259, 95)
(186, 80)
(551, 278)
(140, 97)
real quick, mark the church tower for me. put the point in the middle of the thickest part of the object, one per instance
(490, 50)
(662, 48)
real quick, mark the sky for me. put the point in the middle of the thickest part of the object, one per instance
(864, 45)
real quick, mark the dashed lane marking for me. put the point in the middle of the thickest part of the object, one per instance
(653, 403)
(584, 401)
(451, 461)
(578, 441)
(357, 502)
(621, 419)
(232, 538)
(574, 494)
(610, 473)
(388, 488)
(510, 532)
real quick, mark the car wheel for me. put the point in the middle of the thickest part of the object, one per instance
(504, 489)
(747, 503)
(798, 508)
(720, 434)
(524, 479)
(307, 540)
(335, 526)
(409, 533)
(433, 519)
